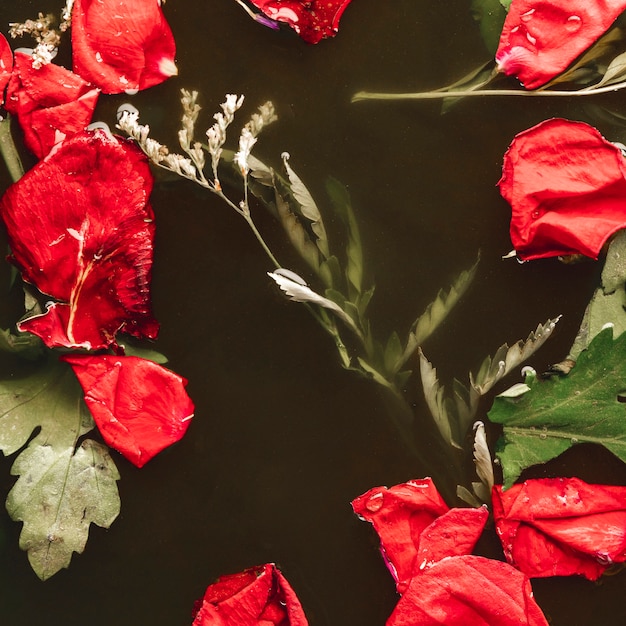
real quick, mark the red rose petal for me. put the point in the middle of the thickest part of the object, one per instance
(50, 103)
(313, 20)
(469, 591)
(541, 38)
(399, 515)
(566, 185)
(6, 65)
(81, 230)
(139, 407)
(561, 526)
(259, 596)
(120, 45)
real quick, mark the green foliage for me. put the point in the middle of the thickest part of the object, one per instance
(559, 412)
(490, 16)
(63, 486)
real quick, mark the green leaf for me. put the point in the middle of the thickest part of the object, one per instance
(61, 490)
(26, 345)
(561, 411)
(490, 16)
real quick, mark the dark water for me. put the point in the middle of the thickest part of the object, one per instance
(283, 438)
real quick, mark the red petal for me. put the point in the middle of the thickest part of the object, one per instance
(561, 526)
(140, 407)
(120, 45)
(468, 590)
(6, 65)
(541, 38)
(455, 533)
(566, 186)
(399, 515)
(82, 232)
(50, 103)
(259, 596)
(312, 20)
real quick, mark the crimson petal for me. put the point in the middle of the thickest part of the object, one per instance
(81, 230)
(50, 103)
(399, 515)
(313, 20)
(6, 65)
(258, 596)
(120, 45)
(566, 185)
(540, 38)
(468, 590)
(561, 526)
(139, 407)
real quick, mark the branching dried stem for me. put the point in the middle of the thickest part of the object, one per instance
(47, 38)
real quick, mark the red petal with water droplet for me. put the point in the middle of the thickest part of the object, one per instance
(81, 230)
(541, 38)
(50, 103)
(468, 591)
(120, 45)
(139, 407)
(566, 185)
(259, 596)
(399, 515)
(561, 526)
(6, 65)
(313, 20)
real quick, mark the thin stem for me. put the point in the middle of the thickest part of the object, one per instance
(8, 150)
(463, 93)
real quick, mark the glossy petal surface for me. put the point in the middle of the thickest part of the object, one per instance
(541, 38)
(81, 230)
(259, 596)
(120, 45)
(140, 407)
(313, 20)
(561, 526)
(566, 185)
(50, 103)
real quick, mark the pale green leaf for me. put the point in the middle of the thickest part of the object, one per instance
(489, 14)
(144, 353)
(562, 411)
(26, 345)
(615, 72)
(393, 352)
(50, 497)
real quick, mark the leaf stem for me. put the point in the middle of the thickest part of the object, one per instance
(9, 151)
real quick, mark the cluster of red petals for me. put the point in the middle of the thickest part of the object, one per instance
(561, 526)
(120, 45)
(6, 65)
(139, 407)
(566, 185)
(541, 38)
(313, 20)
(259, 596)
(50, 103)
(81, 230)
(427, 547)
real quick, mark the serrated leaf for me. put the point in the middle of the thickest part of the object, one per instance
(354, 248)
(561, 411)
(60, 491)
(308, 207)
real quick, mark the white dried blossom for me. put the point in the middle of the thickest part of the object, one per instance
(46, 37)
(216, 135)
(190, 114)
(66, 15)
(265, 116)
(127, 120)
(246, 141)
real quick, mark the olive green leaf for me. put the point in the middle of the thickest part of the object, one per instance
(489, 14)
(559, 412)
(61, 489)
(25, 345)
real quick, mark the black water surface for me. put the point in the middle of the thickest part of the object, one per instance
(283, 438)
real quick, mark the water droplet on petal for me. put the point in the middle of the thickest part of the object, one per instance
(526, 17)
(573, 23)
(374, 503)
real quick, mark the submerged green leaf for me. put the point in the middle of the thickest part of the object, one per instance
(490, 16)
(61, 490)
(26, 345)
(562, 411)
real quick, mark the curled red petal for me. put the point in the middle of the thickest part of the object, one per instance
(541, 38)
(139, 407)
(81, 230)
(258, 596)
(468, 590)
(561, 526)
(49, 102)
(122, 46)
(399, 515)
(6, 65)
(313, 20)
(566, 185)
